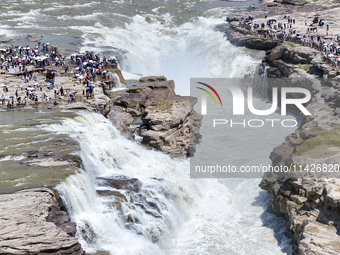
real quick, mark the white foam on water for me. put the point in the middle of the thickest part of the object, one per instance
(92, 16)
(12, 158)
(198, 216)
(116, 79)
(154, 46)
(117, 155)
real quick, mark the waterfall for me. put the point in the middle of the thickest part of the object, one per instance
(118, 84)
(152, 203)
(260, 82)
(147, 216)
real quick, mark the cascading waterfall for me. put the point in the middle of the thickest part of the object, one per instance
(257, 79)
(162, 210)
(193, 49)
(118, 84)
(146, 216)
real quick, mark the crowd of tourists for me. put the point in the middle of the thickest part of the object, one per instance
(287, 30)
(15, 59)
(91, 66)
(23, 60)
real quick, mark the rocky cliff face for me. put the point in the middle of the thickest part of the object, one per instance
(241, 36)
(163, 120)
(286, 59)
(32, 223)
(308, 200)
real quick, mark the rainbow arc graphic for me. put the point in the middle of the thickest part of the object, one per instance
(209, 93)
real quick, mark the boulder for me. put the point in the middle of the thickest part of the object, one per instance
(241, 36)
(275, 53)
(152, 79)
(120, 118)
(285, 69)
(120, 182)
(164, 120)
(5, 40)
(32, 223)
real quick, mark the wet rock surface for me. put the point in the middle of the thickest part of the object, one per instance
(163, 120)
(32, 223)
(42, 157)
(120, 182)
(135, 202)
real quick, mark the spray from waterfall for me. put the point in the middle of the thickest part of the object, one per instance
(127, 194)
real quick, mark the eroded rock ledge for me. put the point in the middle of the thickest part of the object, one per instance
(32, 223)
(240, 36)
(310, 202)
(164, 121)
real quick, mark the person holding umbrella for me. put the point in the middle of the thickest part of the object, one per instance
(12, 101)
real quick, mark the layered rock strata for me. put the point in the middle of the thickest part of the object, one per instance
(153, 112)
(308, 200)
(32, 223)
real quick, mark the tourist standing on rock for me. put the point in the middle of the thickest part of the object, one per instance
(56, 92)
(327, 28)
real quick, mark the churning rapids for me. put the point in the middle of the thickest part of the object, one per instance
(170, 213)
(167, 213)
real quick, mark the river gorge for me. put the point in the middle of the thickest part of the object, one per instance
(126, 191)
